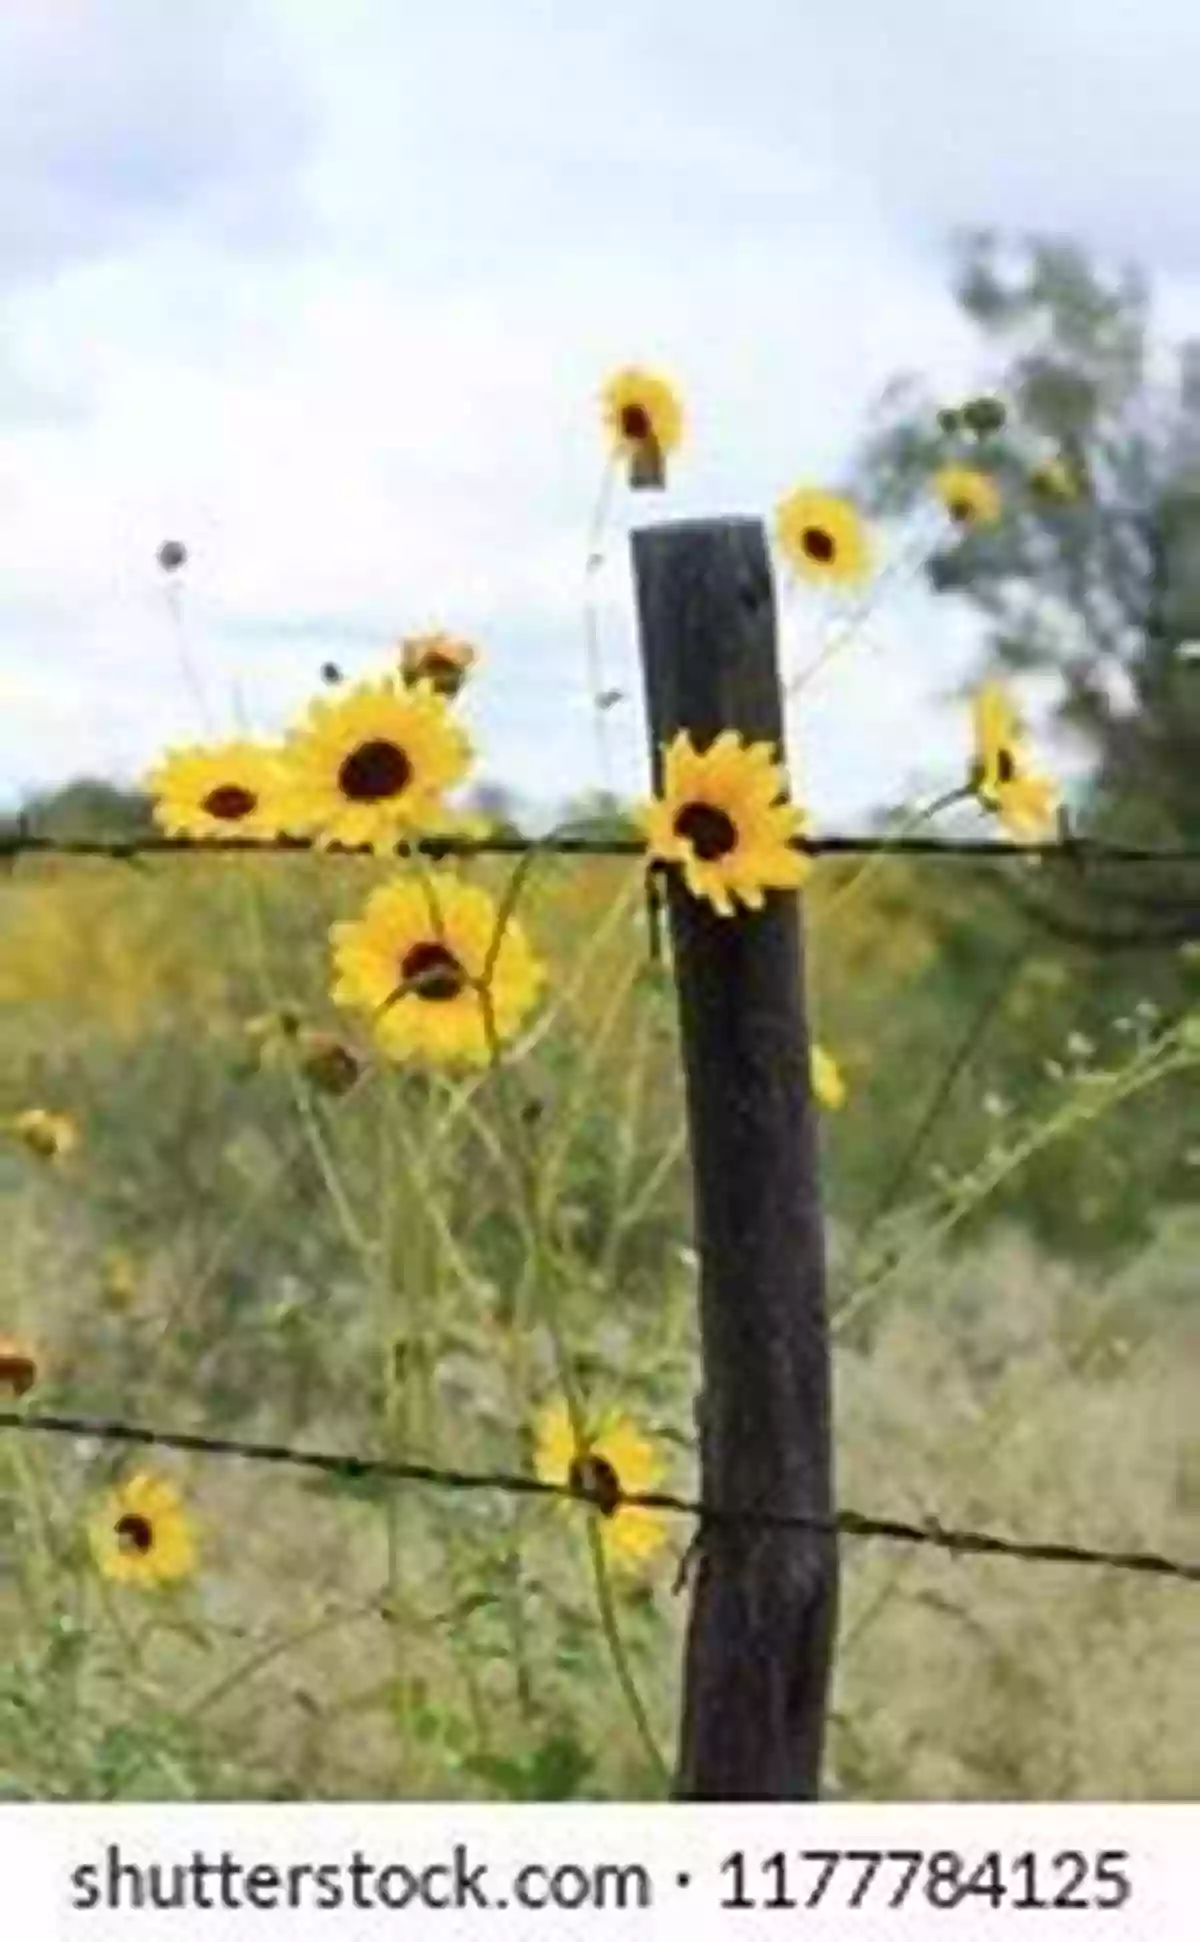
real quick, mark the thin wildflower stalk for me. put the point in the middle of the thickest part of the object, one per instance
(600, 1037)
(871, 867)
(1156, 1062)
(540, 1281)
(606, 1605)
(173, 598)
(462, 1093)
(39, 1592)
(271, 1652)
(984, 1016)
(912, 556)
(593, 562)
(397, 1416)
(626, 1152)
(520, 1167)
(1096, 1094)
(427, 1231)
(351, 1225)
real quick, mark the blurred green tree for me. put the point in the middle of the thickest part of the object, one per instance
(1089, 582)
(1097, 585)
(85, 808)
(500, 804)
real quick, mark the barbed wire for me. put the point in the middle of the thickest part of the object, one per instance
(1074, 849)
(846, 1523)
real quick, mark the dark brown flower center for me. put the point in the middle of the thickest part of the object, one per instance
(708, 829)
(17, 1371)
(595, 1477)
(446, 675)
(962, 510)
(818, 544)
(433, 972)
(635, 421)
(134, 1533)
(1004, 764)
(229, 802)
(374, 771)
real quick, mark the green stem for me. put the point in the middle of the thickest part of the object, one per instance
(620, 1658)
(984, 1180)
(266, 1655)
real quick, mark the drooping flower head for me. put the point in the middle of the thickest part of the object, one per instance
(823, 538)
(417, 962)
(614, 1460)
(329, 1065)
(439, 659)
(227, 791)
(1023, 801)
(142, 1536)
(971, 497)
(373, 765)
(724, 819)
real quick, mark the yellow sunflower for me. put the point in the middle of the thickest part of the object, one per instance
(52, 1136)
(614, 1461)
(971, 497)
(371, 766)
(1024, 802)
(724, 818)
(828, 1085)
(19, 1367)
(227, 791)
(437, 658)
(823, 538)
(141, 1535)
(644, 420)
(416, 960)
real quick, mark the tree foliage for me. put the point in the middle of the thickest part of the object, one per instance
(1101, 590)
(1096, 594)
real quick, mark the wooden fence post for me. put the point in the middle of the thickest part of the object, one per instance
(764, 1603)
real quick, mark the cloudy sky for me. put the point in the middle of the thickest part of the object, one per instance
(327, 291)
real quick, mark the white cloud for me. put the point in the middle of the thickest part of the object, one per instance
(115, 118)
(378, 413)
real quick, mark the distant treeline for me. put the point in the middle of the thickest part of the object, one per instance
(89, 808)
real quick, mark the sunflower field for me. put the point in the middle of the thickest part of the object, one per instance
(382, 1155)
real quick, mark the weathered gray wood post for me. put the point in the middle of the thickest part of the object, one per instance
(763, 1617)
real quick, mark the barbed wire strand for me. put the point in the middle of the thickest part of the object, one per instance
(847, 1523)
(1075, 850)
